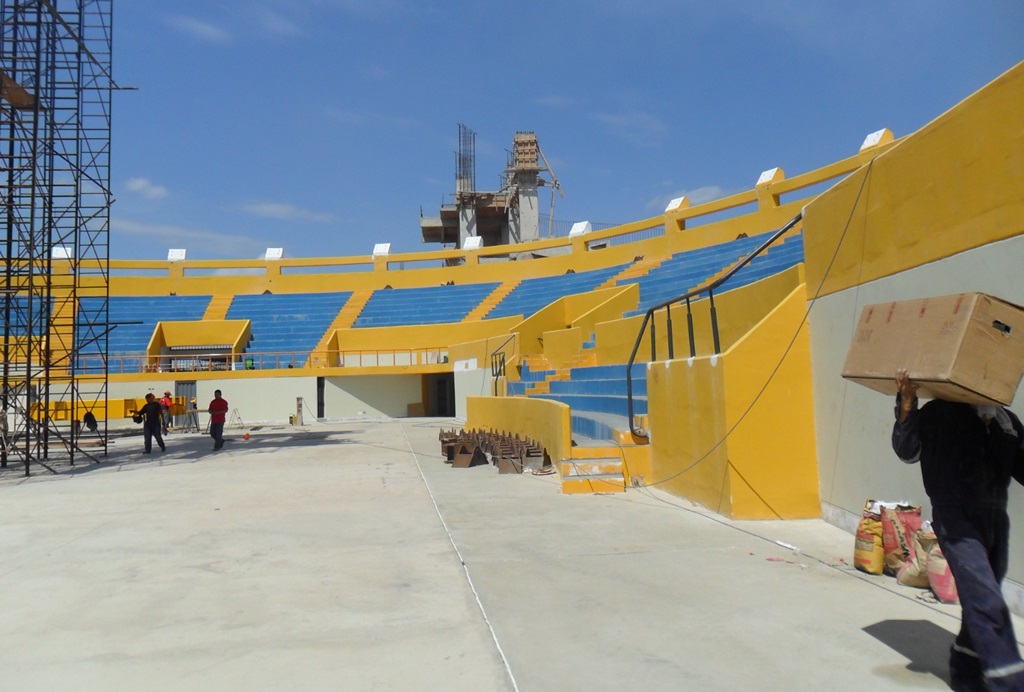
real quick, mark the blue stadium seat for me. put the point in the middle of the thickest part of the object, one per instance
(397, 307)
(287, 322)
(533, 294)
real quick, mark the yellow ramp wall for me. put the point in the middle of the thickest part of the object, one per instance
(418, 336)
(766, 467)
(566, 311)
(547, 422)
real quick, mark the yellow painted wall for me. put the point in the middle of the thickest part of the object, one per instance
(481, 350)
(420, 335)
(547, 422)
(952, 186)
(562, 345)
(233, 333)
(774, 468)
(719, 440)
(619, 301)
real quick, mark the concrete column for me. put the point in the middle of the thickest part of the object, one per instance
(467, 222)
(525, 226)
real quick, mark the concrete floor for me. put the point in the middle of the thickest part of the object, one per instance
(348, 556)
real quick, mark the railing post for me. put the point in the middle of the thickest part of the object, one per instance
(689, 328)
(671, 338)
(654, 339)
(714, 322)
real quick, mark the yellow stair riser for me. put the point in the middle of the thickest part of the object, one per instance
(588, 486)
(580, 468)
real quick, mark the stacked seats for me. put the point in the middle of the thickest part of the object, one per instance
(21, 313)
(133, 319)
(287, 323)
(445, 304)
(597, 397)
(687, 270)
(533, 294)
(527, 378)
(775, 259)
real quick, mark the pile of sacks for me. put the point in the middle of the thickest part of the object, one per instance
(893, 539)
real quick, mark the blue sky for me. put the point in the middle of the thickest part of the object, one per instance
(324, 126)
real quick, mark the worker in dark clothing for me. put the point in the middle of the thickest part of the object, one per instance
(90, 422)
(152, 423)
(968, 455)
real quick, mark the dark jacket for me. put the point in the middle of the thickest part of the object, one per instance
(152, 412)
(964, 460)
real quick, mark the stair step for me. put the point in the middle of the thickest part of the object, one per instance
(591, 468)
(603, 483)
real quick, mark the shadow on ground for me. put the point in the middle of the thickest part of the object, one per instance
(924, 643)
(126, 451)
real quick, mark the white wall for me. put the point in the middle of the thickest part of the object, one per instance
(264, 400)
(474, 382)
(371, 395)
(854, 424)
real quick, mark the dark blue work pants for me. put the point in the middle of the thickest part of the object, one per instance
(149, 431)
(975, 542)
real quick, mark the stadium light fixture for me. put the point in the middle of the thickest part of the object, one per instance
(473, 242)
(772, 175)
(62, 252)
(580, 228)
(176, 255)
(883, 136)
(274, 253)
(677, 203)
(381, 249)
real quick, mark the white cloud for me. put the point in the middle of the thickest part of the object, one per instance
(285, 212)
(640, 128)
(198, 28)
(146, 188)
(171, 235)
(272, 22)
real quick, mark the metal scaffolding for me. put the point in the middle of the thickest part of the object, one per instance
(55, 119)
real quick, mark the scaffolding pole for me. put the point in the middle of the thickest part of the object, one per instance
(55, 121)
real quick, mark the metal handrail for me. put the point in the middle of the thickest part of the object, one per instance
(707, 288)
(498, 361)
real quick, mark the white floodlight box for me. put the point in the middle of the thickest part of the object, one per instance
(473, 242)
(62, 252)
(580, 228)
(767, 176)
(675, 204)
(176, 255)
(274, 253)
(381, 249)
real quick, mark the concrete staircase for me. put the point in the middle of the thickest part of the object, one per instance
(346, 317)
(218, 307)
(638, 268)
(343, 320)
(488, 303)
(593, 469)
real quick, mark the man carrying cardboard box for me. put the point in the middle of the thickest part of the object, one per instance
(968, 454)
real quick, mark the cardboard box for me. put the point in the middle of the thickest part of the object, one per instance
(967, 347)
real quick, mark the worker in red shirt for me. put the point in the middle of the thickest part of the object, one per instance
(165, 403)
(218, 410)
